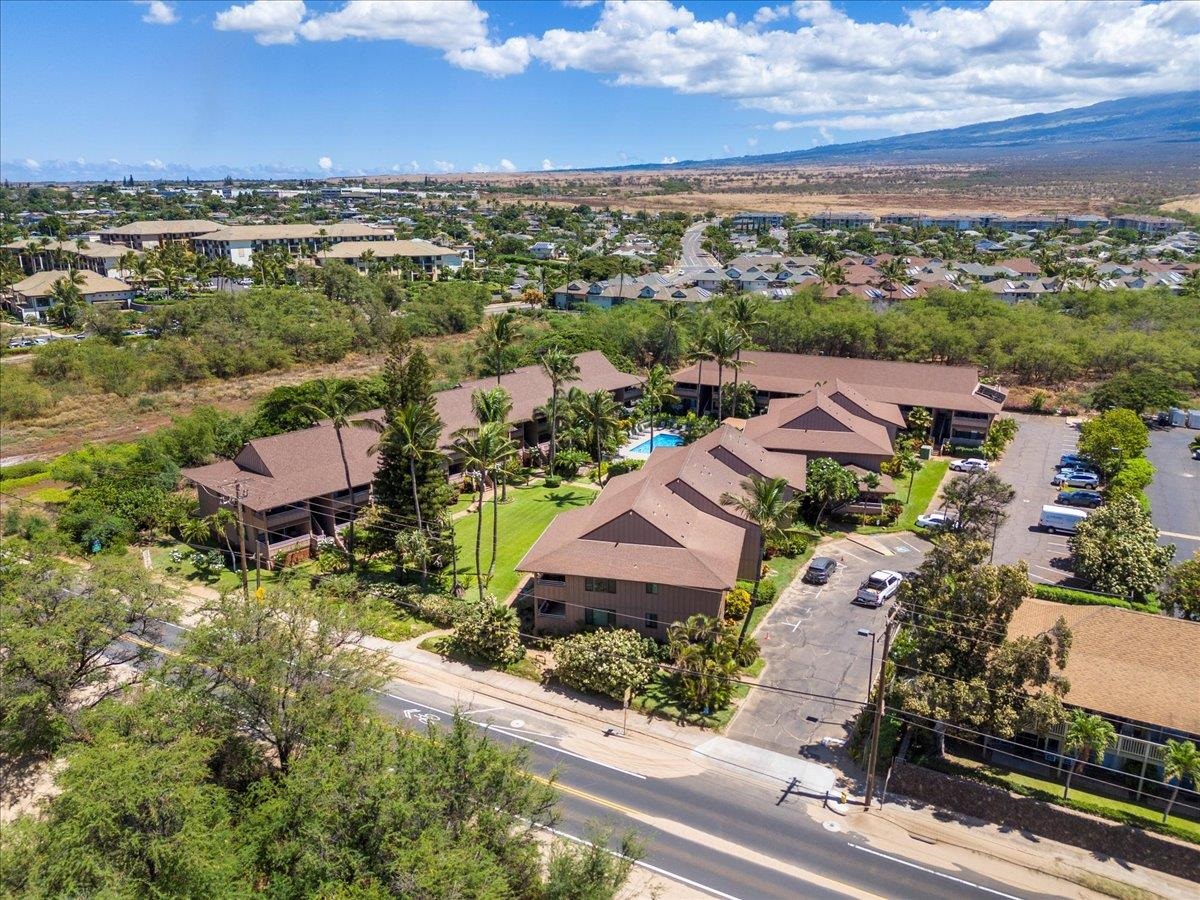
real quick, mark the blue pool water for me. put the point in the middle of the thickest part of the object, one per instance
(665, 439)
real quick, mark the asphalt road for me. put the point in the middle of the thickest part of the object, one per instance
(811, 642)
(1175, 492)
(692, 258)
(1028, 465)
(728, 835)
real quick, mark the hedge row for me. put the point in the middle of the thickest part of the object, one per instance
(1087, 598)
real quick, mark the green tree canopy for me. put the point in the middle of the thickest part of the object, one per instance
(1116, 550)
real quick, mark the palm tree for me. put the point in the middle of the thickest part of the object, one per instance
(829, 272)
(657, 388)
(10, 271)
(770, 504)
(493, 408)
(1181, 762)
(125, 263)
(67, 297)
(626, 265)
(725, 346)
(895, 274)
(745, 314)
(560, 367)
(225, 270)
(498, 333)
(919, 421)
(336, 402)
(599, 412)
(482, 450)
(673, 315)
(699, 352)
(141, 269)
(1087, 736)
(415, 430)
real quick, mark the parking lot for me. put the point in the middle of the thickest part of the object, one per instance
(811, 643)
(1175, 492)
(1028, 466)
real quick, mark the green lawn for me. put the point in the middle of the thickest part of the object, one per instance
(924, 486)
(221, 579)
(523, 518)
(1095, 804)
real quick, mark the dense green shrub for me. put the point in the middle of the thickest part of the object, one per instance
(22, 397)
(490, 632)
(608, 661)
(1087, 598)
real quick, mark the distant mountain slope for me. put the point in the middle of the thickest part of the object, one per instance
(1165, 126)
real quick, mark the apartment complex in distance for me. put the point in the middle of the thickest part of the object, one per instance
(425, 257)
(239, 243)
(41, 254)
(152, 233)
(657, 545)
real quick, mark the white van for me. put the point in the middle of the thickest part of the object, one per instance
(1061, 518)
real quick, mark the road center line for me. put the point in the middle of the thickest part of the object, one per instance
(948, 877)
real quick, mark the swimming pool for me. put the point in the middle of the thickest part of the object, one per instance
(662, 439)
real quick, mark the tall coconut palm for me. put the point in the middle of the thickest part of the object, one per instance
(700, 351)
(415, 430)
(1181, 762)
(1087, 737)
(626, 265)
(560, 367)
(336, 402)
(745, 314)
(895, 275)
(67, 297)
(498, 333)
(771, 505)
(493, 408)
(830, 271)
(483, 449)
(125, 263)
(657, 389)
(226, 271)
(141, 270)
(725, 345)
(599, 414)
(673, 315)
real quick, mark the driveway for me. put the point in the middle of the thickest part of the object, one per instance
(1028, 465)
(811, 643)
(1175, 492)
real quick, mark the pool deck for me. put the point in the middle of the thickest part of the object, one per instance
(640, 437)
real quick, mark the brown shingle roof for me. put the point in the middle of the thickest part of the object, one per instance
(644, 527)
(385, 249)
(300, 231)
(41, 284)
(902, 383)
(841, 431)
(164, 226)
(1124, 663)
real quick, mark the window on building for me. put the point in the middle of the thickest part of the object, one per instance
(651, 587)
(600, 585)
(600, 618)
(652, 621)
(554, 608)
(553, 578)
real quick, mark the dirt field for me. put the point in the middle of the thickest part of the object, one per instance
(1190, 204)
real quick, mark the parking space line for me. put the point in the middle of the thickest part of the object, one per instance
(855, 555)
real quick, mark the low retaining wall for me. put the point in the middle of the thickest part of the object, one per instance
(1057, 823)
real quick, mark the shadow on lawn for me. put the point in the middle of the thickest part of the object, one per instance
(565, 498)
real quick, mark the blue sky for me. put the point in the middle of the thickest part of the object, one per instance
(346, 87)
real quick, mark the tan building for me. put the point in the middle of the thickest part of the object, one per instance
(36, 256)
(426, 258)
(657, 545)
(963, 408)
(32, 297)
(239, 243)
(153, 233)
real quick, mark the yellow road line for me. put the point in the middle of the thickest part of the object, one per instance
(591, 798)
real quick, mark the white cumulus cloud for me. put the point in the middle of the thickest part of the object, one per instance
(325, 164)
(158, 12)
(157, 164)
(443, 166)
(270, 21)
(670, 159)
(507, 165)
(752, 141)
(31, 163)
(481, 168)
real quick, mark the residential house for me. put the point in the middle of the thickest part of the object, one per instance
(239, 243)
(151, 233)
(657, 545)
(546, 250)
(963, 408)
(32, 297)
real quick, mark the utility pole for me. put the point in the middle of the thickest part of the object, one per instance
(880, 692)
(240, 493)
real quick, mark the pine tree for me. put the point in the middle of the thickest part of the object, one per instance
(408, 379)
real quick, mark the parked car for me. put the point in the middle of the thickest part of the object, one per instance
(878, 589)
(974, 464)
(820, 570)
(1074, 461)
(1089, 499)
(1061, 519)
(20, 342)
(937, 520)
(1075, 478)
(1196, 453)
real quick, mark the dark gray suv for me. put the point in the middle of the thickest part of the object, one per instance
(820, 570)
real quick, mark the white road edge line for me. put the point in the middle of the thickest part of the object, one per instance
(645, 865)
(913, 865)
(512, 734)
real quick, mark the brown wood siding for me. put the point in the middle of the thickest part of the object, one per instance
(631, 528)
(630, 602)
(816, 420)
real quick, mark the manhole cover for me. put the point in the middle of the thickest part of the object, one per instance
(832, 826)
(517, 723)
